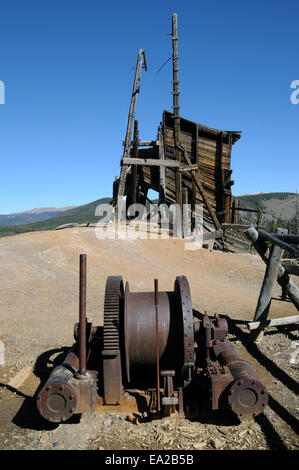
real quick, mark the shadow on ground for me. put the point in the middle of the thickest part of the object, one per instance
(28, 417)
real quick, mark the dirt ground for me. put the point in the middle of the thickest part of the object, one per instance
(39, 306)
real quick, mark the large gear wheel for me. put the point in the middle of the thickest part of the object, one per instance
(113, 311)
(184, 303)
(114, 295)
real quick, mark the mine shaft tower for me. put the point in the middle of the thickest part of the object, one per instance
(188, 163)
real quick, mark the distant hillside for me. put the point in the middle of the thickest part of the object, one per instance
(31, 216)
(276, 206)
(81, 214)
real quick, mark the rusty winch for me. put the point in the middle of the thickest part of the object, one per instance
(152, 355)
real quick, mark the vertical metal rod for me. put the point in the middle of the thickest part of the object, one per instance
(157, 345)
(82, 316)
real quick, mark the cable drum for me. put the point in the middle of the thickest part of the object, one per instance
(175, 330)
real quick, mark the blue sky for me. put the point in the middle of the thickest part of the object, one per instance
(68, 68)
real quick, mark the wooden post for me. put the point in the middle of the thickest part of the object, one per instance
(260, 218)
(196, 145)
(270, 278)
(186, 231)
(124, 168)
(223, 195)
(279, 242)
(133, 189)
(162, 182)
(237, 205)
(274, 322)
(283, 278)
(176, 106)
(232, 218)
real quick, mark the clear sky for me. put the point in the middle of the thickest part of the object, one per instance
(68, 69)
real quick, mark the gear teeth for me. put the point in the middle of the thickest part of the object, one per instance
(113, 294)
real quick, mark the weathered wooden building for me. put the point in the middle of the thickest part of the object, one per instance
(204, 167)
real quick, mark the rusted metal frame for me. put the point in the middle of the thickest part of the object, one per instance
(82, 315)
(71, 388)
(279, 241)
(169, 400)
(66, 392)
(232, 380)
(218, 377)
(126, 154)
(157, 345)
(246, 396)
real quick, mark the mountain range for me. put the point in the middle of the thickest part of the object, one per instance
(31, 216)
(280, 207)
(275, 206)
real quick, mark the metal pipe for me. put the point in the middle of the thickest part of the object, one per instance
(247, 396)
(59, 398)
(64, 395)
(157, 344)
(82, 316)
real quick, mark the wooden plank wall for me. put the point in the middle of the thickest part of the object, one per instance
(210, 149)
(213, 156)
